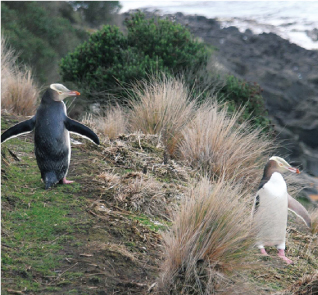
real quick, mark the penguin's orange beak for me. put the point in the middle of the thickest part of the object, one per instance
(294, 170)
(74, 93)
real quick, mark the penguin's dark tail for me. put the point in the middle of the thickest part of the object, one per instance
(50, 179)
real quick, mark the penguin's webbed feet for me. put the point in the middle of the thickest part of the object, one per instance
(65, 181)
(263, 252)
(281, 254)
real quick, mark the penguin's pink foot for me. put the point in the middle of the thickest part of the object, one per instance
(65, 181)
(281, 254)
(263, 252)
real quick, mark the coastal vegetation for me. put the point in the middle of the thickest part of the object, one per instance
(109, 59)
(44, 32)
(163, 204)
(19, 90)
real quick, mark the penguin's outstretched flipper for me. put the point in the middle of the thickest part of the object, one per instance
(299, 210)
(76, 127)
(19, 129)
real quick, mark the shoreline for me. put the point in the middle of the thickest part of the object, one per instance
(289, 20)
(287, 72)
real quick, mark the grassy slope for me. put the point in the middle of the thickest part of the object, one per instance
(59, 240)
(81, 239)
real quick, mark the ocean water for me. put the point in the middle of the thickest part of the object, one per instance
(291, 20)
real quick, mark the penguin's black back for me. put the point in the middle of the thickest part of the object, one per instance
(52, 145)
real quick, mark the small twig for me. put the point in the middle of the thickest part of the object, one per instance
(14, 155)
(95, 202)
(97, 215)
(14, 291)
(139, 142)
(5, 162)
(86, 255)
(59, 276)
(93, 213)
(51, 242)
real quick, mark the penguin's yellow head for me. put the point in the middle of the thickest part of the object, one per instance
(62, 92)
(283, 165)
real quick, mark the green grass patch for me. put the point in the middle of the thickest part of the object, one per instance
(6, 123)
(36, 223)
(154, 224)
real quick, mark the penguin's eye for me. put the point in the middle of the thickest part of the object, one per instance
(60, 92)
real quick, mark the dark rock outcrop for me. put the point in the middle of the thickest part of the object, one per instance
(287, 73)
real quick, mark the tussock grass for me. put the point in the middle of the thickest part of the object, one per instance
(314, 221)
(161, 106)
(110, 124)
(211, 233)
(19, 92)
(217, 145)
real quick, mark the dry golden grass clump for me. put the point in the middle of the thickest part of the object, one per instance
(217, 145)
(162, 107)
(19, 93)
(210, 234)
(111, 123)
(314, 221)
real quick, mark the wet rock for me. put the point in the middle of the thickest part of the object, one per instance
(313, 34)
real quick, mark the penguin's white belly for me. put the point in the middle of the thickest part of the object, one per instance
(68, 143)
(271, 215)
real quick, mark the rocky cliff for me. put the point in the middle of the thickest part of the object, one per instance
(287, 73)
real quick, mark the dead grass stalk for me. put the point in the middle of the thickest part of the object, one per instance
(19, 92)
(314, 221)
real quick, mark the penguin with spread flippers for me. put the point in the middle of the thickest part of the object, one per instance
(52, 129)
(271, 205)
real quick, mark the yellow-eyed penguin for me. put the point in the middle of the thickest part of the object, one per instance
(271, 205)
(51, 134)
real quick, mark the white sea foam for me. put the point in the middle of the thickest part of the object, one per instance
(288, 19)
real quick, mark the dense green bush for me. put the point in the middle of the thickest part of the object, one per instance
(165, 41)
(103, 60)
(110, 59)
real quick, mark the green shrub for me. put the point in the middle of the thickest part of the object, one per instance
(103, 60)
(241, 93)
(170, 43)
(109, 59)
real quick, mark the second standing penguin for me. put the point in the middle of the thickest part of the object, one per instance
(271, 205)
